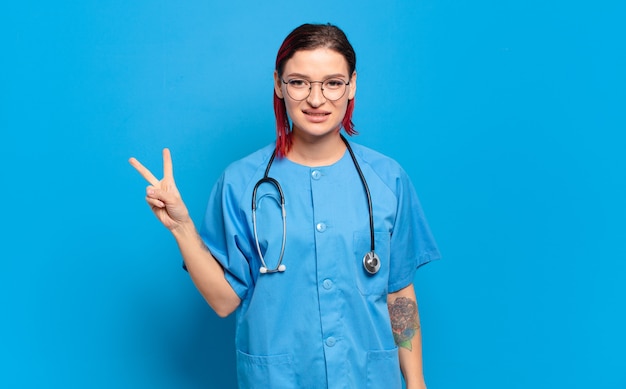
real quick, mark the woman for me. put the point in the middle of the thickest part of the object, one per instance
(315, 306)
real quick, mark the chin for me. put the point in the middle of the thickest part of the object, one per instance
(315, 132)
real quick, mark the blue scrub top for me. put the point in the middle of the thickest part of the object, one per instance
(323, 322)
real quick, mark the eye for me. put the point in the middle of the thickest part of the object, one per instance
(334, 83)
(298, 83)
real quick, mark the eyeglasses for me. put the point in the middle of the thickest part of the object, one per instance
(332, 89)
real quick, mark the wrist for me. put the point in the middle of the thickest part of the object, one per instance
(417, 383)
(184, 230)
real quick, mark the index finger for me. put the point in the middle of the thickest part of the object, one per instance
(147, 174)
(168, 171)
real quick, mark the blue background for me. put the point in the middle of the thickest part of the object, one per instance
(508, 115)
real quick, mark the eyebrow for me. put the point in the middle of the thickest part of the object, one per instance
(300, 75)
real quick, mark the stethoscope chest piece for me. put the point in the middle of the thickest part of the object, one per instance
(371, 262)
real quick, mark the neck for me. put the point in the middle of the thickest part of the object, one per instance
(316, 151)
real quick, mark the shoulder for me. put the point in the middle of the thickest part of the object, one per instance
(248, 167)
(383, 169)
(241, 175)
(383, 165)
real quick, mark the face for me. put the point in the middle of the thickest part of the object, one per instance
(316, 116)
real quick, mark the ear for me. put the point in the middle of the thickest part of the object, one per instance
(352, 91)
(278, 85)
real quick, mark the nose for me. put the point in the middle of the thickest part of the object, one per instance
(316, 95)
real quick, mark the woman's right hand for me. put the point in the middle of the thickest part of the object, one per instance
(162, 195)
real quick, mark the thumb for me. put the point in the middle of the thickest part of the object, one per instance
(155, 193)
(165, 195)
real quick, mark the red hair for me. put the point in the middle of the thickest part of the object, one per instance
(309, 37)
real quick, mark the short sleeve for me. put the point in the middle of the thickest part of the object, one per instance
(224, 232)
(412, 244)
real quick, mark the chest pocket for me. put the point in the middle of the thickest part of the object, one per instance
(372, 284)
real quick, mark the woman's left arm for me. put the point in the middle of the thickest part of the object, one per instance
(405, 323)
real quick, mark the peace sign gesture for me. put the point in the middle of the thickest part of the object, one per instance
(162, 195)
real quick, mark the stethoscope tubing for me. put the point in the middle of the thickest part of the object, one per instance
(371, 262)
(279, 265)
(367, 192)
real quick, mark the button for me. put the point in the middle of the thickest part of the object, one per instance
(316, 174)
(320, 227)
(327, 284)
(330, 341)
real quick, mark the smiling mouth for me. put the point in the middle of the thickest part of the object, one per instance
(317, 114)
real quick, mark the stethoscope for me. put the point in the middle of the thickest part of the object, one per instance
(371, 261)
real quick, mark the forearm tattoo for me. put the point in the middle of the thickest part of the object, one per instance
(404, 321)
